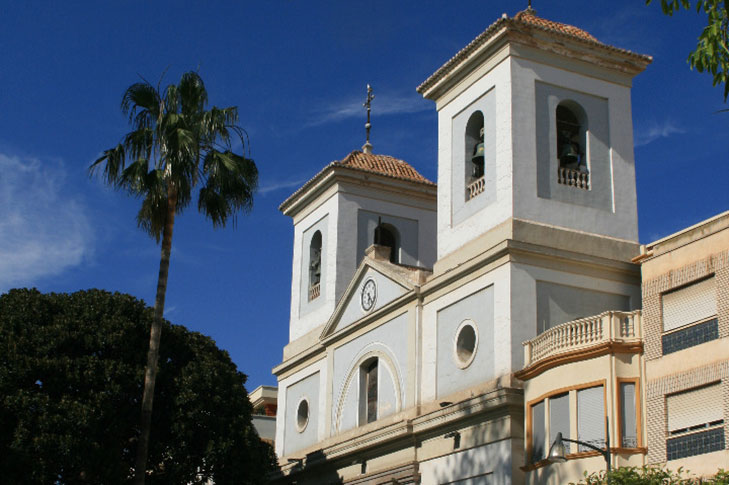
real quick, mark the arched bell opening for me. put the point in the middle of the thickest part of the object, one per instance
(315, 266)
(474, 152)
(572, 146)
(387, 235)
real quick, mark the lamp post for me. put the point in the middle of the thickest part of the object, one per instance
(556, 451)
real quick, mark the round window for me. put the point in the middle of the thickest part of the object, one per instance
(302, 415)
(465, 344)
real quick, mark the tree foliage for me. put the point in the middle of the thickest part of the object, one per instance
(71, 369)
(651, 476)
(175, 145)
(712, 50)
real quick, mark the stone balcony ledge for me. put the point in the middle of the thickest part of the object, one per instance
(607, 327)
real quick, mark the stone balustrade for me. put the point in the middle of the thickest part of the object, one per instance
(314, 291)
(583, 333)
(573, 178)
(476, 187)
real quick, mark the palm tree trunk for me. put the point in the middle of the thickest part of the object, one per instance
(150, 375)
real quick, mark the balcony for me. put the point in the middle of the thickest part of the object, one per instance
(314, 291)
(573, 178)
(476, 187)
(584, 333)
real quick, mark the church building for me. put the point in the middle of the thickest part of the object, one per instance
(446, 334)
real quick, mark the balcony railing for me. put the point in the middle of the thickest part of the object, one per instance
(476, 187)
(573, 178)
(314, 291)
(582, 333)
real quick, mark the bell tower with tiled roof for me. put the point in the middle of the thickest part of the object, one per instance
(338, 214)
(534, 123)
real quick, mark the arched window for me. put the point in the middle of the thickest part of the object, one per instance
(571, 145)
(387, 235)
(315, 266)
(474, 153)
(368, 391)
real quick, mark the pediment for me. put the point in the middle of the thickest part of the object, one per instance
(390, 282)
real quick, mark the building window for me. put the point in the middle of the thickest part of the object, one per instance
(368, 391)
(465, 344)
(474, 152)
(302, 415)
(539, 435)
(628, 415)
(315, 266)
(571, 145)
(591, 417)
(559, 418)
(689, 316)
(695, 422)
(387, 235)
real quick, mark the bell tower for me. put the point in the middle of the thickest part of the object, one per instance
(534, 124)
(348, 206)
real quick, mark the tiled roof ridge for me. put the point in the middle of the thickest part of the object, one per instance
(401, 170)
(383, 165)
(529, 19)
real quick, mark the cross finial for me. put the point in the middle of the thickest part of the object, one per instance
(367, 148)
(530, 9)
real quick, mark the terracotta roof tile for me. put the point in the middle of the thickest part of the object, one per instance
(529, 16)
(526, 18)
(383, 165)
(366, 162)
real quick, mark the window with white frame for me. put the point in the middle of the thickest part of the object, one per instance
(689, 316)
(695, 422)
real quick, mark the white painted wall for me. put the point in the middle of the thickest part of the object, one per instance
(620, 222)
(310, 383)
(485, 465)
(389, 342)
(302, 322)
(451, 236)
(501, 346)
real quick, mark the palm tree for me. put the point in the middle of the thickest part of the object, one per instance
(175, 145)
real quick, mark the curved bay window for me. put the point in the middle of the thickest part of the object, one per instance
(474, 153)
(571, 145)
(387, 235)
(315, 266)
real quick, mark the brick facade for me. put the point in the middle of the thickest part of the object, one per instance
(716, 264)
(656, 390)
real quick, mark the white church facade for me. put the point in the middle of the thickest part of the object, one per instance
(440, 334)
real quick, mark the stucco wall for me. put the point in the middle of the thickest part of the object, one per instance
(388, 342)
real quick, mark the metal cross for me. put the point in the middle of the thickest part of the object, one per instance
(368, 104)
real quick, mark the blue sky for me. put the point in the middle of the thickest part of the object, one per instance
(297, 70)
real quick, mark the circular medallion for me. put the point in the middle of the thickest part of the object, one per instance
(369, 295)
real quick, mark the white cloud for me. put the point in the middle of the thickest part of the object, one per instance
(383, 105)
(272, 186)
(654, 131)
(43, 229)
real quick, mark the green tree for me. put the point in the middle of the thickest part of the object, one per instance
(648, 475)
(175, 145)
(712, 50)
(70, 374)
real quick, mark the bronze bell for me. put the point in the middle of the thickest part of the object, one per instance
(477, 158)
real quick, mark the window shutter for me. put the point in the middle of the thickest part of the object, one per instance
(538, 432)
(693, 408)
(628, 428)
(559, 418)
(591, 417)
(690, 304)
